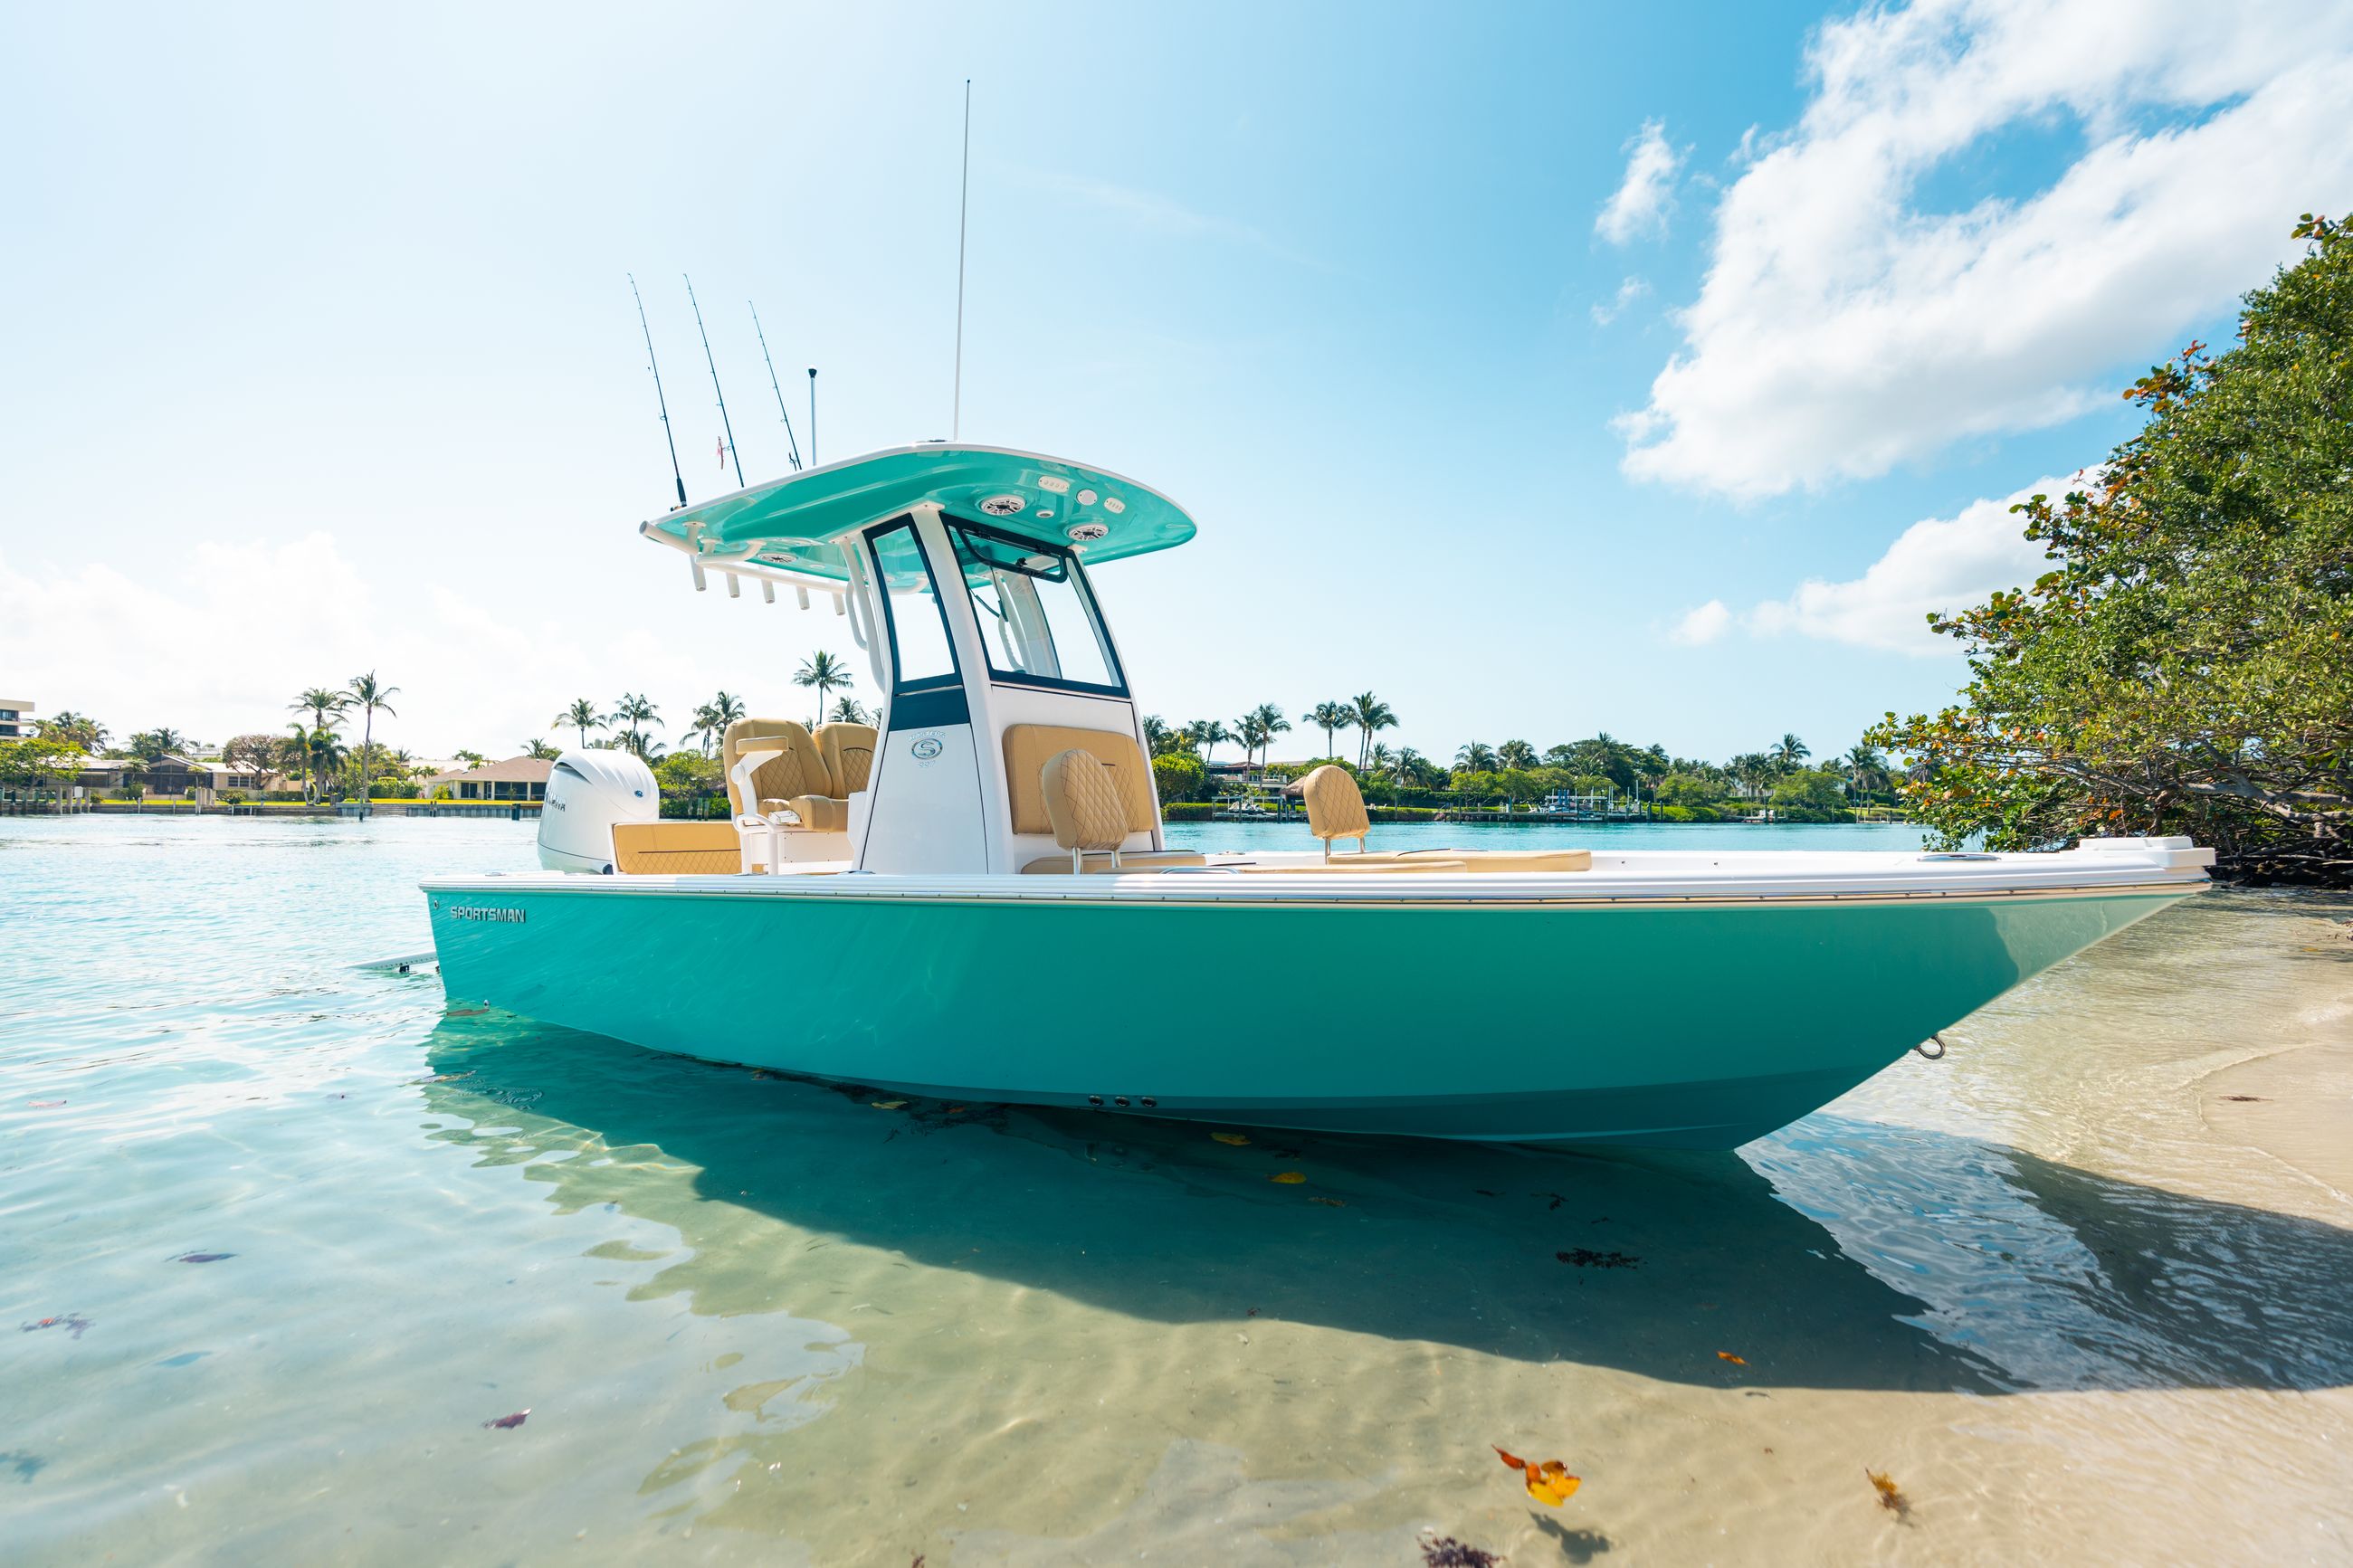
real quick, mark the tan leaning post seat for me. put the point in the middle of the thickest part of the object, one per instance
(1083, 806)
(1120, 793)
(1335, 809)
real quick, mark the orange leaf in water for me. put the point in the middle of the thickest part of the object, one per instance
(1289, 1178)
(1891, 1496)
(1727, 1355)
(1236, 1138)
(1550, 1482)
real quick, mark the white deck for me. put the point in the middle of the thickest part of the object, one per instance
(2105, 867)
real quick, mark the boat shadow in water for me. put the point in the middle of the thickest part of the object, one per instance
(1836, 1254)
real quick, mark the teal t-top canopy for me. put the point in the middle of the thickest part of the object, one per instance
(796, 524)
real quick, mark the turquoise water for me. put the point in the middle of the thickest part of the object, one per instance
(281, 1242)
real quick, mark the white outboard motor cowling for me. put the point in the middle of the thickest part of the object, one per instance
(588, 793)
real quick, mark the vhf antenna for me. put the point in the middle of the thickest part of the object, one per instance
(713, 363)
(812, 413)
(771, 382)
(659, 401)
(964, 208)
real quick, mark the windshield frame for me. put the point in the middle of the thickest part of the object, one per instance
(1072, 571)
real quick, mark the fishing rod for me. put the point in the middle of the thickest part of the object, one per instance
(963, 208)
(771, 382)
(812, 413)
(713, 363)
(659, 401)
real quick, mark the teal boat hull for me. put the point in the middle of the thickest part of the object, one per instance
(1691, 1025)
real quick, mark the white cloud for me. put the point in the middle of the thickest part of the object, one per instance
(217, 644)
(1642, 201)
(1703, 624)
(1939, 563)
(1844, 327)
(1628, 291)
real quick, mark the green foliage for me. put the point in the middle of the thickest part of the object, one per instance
(34, 763)
(2187, 663)
(1179, 775)
(1814, 787)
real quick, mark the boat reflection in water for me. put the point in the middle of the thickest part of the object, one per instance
(1867, 1256)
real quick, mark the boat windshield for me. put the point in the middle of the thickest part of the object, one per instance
(921, 655)
(1037, 615)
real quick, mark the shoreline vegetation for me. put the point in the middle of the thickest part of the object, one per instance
(2185, 667)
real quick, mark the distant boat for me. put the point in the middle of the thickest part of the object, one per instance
(978, 901)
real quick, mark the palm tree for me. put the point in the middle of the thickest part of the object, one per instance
(1476, 757)
(538, 748)
(317, 751)
(726, 707)
(1329, 717)
(1207, 735)
(297, 748)
(1515, 754)
(825, 672)
(322, 703)
(1380, 762)
(1369, 713)
(1788, 751)
(581, 716)
(1866, 767)
(849, 710)
(1248, 734)
(71, 729)
(1157, 736)
(368, 696)
(151, 746)
(1269, 722)
(1750, 769)
(628, 719)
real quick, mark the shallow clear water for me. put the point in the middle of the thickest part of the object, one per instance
(2078, 1302)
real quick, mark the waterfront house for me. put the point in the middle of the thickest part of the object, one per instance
(517, 778)
(16, 717)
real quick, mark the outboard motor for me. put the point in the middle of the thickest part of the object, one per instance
(588, 793)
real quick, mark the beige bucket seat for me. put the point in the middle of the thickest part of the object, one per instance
(812, 776)
(1335, 809)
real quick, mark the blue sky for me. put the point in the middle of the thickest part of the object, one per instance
(1520, 364)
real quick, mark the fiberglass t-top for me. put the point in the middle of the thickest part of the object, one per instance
(1013, 656)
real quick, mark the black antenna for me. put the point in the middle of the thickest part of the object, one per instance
(713, 363)
(812, 413)
(771, 382)
(659, 401)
